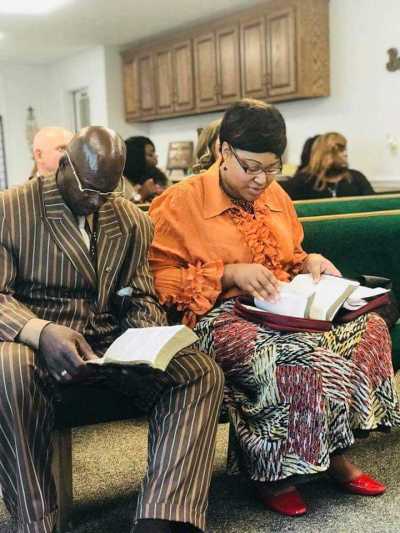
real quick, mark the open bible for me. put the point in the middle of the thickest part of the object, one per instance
(304, 305)
(154, 346)
(303, 298)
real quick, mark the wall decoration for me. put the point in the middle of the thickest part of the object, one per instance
(394, 60)
(180, 155)
(31, 127)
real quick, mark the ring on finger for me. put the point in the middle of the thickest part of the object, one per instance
(63, 373)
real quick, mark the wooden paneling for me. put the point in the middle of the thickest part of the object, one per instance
(146, 84)
(131, 89)
(183, 76)
(164, 76)
(205, 63)
(281, 52)
(253, 58)
(228, 65)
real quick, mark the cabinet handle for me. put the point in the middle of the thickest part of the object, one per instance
(267, 81)
(217, 90)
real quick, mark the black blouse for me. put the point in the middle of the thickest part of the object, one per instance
(301, 187)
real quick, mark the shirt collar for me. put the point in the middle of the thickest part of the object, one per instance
(216, 201)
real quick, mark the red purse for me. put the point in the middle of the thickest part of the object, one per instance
(290, 323)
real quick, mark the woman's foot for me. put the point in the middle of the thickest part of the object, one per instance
(352, 479)
(286, 501)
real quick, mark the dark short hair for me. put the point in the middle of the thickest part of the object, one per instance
(254, 126)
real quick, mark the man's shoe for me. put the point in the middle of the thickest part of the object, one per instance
(288, 503)
(364, 485)
(152, 525)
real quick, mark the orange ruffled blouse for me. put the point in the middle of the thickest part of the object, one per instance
(198, 230)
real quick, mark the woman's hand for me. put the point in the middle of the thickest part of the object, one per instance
(317, 264)
(253, 278)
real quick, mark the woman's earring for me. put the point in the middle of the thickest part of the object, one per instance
(225, 168)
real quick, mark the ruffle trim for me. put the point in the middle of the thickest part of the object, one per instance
(201, 286)
(262, 242)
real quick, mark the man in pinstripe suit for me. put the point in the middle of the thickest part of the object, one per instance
(61, 303)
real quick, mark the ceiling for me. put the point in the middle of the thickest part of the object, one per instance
(81, 24)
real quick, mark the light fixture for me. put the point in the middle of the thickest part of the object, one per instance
(29, 7)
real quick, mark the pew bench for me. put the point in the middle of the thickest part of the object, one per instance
(357, 243)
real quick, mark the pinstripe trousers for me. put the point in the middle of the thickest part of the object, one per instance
(182, 430)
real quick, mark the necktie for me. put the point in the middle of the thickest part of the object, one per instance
(83, 228)
(89, 236)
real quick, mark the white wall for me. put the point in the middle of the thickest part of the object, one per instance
(86, 69)
(21, 86)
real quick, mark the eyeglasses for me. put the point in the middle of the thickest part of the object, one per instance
(109, 195)
(256, 169)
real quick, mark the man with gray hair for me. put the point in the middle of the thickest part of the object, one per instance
(69, 245)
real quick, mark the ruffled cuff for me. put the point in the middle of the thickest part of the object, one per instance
(201, 286)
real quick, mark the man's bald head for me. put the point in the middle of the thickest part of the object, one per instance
(98, 154)
(48, 146)
(95, 161)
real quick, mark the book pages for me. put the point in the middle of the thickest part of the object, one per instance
(154, 346)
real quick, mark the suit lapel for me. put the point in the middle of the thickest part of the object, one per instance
(112, 246)
(64, 229)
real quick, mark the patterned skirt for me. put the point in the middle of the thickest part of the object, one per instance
(293, 399)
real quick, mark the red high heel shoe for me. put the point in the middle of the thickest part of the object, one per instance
(288, 503)
(364, 485)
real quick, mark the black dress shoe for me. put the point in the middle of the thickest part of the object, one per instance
(152, 525)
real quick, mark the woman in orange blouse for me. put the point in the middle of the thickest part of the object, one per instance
(294, 400)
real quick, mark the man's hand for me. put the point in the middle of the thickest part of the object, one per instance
(317, 264)
(64, 352)
(253, 278)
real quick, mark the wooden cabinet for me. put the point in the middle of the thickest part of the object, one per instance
(183, 77)
(131, 90)
(275, 51)
(268, 55)
(228, 65)
(174, 78)
(145, 61)
(205, 61)
(217, 68)
(253, 58)
(281, 52)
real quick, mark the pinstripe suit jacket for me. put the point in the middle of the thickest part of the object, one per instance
(46, 271)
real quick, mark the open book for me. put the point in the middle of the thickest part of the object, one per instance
(303, 298)
(154, 346)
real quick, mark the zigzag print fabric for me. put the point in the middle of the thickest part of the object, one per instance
(295, 398)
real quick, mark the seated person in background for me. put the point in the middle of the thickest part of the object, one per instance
(306, 153)
(207, 149)
(327, 174)
(295, 400)
(144, 179)
(48, 146)
(60, 305)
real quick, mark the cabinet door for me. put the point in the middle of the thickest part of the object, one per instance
(164, 81)
(205, 71)
(131, 89)
(228, 65)
(253, 60)
(281, 52)
(146, 84)
(183, 76)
